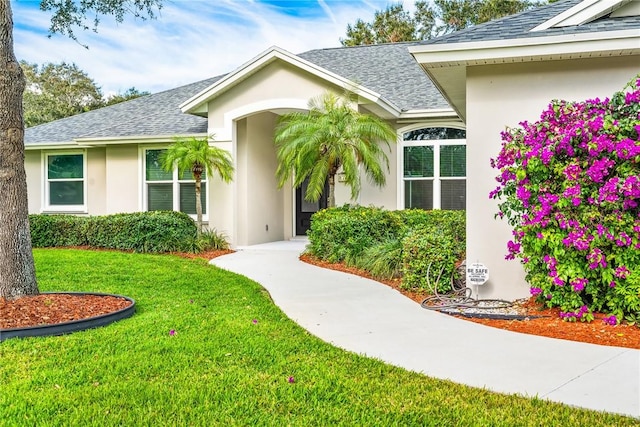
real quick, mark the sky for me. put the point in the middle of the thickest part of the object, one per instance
(189, 41)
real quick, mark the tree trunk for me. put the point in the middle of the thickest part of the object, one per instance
(199, 203)
(17, 270)
(331, 200)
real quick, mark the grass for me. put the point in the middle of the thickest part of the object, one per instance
(221, 367)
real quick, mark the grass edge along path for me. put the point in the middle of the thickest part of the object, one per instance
(208, 347)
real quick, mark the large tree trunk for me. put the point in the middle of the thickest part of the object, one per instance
(17, 271)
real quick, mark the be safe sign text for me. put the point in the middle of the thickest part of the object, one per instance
(477, 274)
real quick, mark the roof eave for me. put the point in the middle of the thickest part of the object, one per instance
(446, 63)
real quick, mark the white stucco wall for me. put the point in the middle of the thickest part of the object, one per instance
(33, 167)
(96, 181)
(260, 204)
(504, 95)
(122, 179)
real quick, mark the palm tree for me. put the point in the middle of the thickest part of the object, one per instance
(330, 136)
(196, 155)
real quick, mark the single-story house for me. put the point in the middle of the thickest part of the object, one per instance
(448, 100)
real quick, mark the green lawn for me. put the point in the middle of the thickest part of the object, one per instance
(221, 367)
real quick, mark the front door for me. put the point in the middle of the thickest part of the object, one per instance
(304, 208)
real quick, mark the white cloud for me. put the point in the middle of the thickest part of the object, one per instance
(190, 40)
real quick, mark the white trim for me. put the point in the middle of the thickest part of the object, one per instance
(435, 113)
(175, 181)
(47, 207)
(566, 46)
(436, 143)
(270, 55)
(582, 13)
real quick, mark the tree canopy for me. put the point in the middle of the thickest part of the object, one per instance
(56, 91)
(395, 24)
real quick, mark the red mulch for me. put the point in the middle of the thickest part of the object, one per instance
(49, 309)
(596, 332)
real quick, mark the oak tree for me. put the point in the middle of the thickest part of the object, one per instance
(16, 259)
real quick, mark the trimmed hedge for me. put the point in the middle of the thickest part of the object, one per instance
(369, 238)
(157, 231)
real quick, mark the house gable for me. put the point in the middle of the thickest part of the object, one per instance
(199, 103)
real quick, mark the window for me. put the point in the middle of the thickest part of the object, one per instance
(434, 168)
(65, 182)
(169, 191)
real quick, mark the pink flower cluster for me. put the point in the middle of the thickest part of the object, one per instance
(569, 185)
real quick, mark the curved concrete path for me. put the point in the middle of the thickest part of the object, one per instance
(366, 317)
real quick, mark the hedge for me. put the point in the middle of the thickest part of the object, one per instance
(157, 231)
(367, 237)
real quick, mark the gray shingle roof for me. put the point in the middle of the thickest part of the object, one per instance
(520, 25)
(387, 69)
(156, 114)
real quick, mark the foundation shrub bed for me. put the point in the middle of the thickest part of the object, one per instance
(157, 231)
(391, 244)
(569, 187)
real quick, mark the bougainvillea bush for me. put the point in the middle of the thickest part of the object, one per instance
(569, 185)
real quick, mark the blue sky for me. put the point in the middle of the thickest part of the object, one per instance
(191, 39)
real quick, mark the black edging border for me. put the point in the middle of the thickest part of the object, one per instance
(73, 325)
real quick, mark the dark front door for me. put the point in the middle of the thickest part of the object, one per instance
(304, 208)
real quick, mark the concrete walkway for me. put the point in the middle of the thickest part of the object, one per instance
(366, 317)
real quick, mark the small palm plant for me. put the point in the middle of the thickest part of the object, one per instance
(196, 155)
(330, 136)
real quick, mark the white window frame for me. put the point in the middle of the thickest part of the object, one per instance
(175, 181)
(46, 193)
(436, 179)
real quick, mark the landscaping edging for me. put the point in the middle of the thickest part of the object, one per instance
(74, 325)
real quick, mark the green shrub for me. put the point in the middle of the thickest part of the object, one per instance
(429, 257)
(211, 240)
(392, 243)
(343, 233)
(57, 230)
(157, 231)
(384, 260)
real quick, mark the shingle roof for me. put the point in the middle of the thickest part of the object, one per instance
(156, 114)
(520, 25)
(386, 69)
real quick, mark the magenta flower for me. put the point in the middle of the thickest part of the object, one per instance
(611, 320)
(535, 291)
(172, 332)
(255, 321)
(291, 380)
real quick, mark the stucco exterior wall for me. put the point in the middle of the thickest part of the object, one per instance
(33, 167)
(276, 81)
(96, 181)
(122, 186)
(504, 95)
(260, 213)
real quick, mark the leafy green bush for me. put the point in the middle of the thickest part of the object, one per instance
(343, 233)
(429, 257)
(211, 240)
(391, 243)
(57, 230)
(384, 260)
(158, 231)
